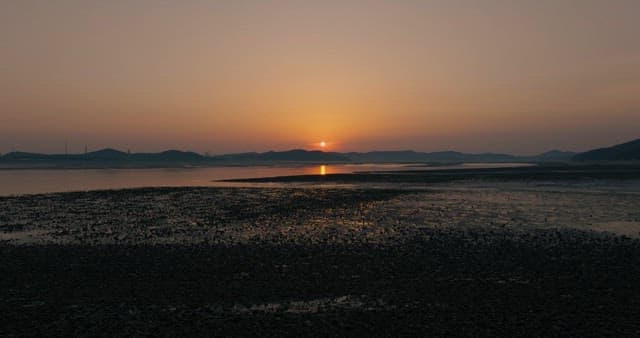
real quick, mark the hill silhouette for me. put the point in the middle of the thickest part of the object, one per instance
(104, 154)
(109, 157)
(295, 155)
(556, 155)
(629, 151)
(116, 158)
(455, 157)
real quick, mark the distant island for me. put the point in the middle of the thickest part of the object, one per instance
(112, 158)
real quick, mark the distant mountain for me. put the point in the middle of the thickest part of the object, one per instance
(104, 154)
(108, 156)
(386, 156)
(413, 156)
(115, 158)
(629, 151)
(455, 157)
(406, 156)
(169, 156)
(554, 156)
(296, 155)
(21, 156)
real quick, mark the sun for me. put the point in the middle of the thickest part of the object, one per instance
(323, 144)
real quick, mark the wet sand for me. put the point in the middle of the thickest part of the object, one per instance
(479, 258)
(539, 173)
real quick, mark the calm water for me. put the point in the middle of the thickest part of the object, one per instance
(33, 181)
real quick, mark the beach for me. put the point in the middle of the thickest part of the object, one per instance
(462, 258)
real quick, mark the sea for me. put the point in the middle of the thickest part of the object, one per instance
(38, 181)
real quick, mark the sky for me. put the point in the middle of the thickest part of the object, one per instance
(511, 76)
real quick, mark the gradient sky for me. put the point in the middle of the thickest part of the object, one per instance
(226, 76)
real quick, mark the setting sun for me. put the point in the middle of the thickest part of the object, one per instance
(323, 144)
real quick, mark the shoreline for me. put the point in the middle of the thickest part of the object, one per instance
(528, 173)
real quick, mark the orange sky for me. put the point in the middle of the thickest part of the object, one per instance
(226, 76)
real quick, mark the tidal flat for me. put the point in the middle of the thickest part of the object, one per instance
(463, 258)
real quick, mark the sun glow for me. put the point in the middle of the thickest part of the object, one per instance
(323, 145)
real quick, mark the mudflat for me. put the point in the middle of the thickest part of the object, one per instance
(477, 257)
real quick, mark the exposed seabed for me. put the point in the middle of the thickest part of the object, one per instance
(470, 258)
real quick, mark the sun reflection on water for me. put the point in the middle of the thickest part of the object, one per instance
(323, 170)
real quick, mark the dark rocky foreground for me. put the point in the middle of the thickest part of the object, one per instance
(378, 277)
